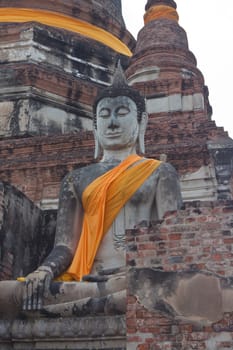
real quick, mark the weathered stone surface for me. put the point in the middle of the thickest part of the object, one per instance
(181, 280)
(20, 220)
(28, 116)
(222, 153)
(87, 333)
(72, 54)
(49, 79)
(26, 234)
(175, 102)
(200, 185)
(186, 295)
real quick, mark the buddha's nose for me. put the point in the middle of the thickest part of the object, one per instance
(114, 124)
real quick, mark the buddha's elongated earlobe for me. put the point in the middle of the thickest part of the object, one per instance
(142, 130)
(97, 145)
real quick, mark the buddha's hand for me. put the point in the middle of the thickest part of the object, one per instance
(36, 288)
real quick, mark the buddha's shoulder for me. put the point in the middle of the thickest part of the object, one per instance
(96, 169)
(167, 168)
(164, 170)
(88, 173)
(167, 172)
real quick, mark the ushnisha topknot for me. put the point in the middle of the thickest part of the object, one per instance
(120, 87)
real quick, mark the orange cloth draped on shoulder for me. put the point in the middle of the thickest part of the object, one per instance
(102, 201)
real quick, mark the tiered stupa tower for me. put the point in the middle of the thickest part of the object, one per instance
(180, 129)
(54, 54)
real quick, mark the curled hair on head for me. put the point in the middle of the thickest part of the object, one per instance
(120, 87)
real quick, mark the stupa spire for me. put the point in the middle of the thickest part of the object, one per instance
(158, 9)
(165, 71)
(151, 3)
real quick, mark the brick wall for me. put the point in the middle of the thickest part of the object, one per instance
(37, 165)
(196, 240)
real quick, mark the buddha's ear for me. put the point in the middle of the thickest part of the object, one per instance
(142, 130)
(97, 144)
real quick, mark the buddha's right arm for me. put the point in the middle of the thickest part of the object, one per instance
(68, 229)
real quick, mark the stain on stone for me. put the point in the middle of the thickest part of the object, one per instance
(190, 295)
(187, 84)
(82, 51)
(47, 234)
(76, 96)
(55, 288)
(132, 247)
(26, 234)
(21, 216)
(131, 262)
(51, 38)
(69, 92)
(76, 11)
(48, 314)
(75, 124)
(92, 307)
(14, 122)
(103, 76)
(97, 17)
(7, 76)
(223, 161)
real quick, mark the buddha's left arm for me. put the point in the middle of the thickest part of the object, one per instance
(168, 194)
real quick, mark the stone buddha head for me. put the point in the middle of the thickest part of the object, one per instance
(120, 116)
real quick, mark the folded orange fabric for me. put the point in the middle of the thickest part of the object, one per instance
(102, 201)
(59, 20)
(160, 11)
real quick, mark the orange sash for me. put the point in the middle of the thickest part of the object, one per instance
(102, 201)
(160, 11)
(59, 20)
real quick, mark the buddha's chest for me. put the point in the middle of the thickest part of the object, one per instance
(135, 191)
(144, 194)
(136, 210)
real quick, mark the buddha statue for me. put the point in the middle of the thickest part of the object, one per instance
(97, 204)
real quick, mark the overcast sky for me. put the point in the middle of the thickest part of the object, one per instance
(209, 27)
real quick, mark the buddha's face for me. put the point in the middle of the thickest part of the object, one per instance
(117, 124)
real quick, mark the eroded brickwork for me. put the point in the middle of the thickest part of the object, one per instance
(196, 240)
(37, 165)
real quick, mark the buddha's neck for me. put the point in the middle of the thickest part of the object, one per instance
(118, 155)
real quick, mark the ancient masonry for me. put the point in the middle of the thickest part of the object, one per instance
(55, 56)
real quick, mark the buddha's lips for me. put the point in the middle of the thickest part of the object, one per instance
(112, 135)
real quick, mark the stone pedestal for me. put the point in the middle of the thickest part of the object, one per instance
(105, 332)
